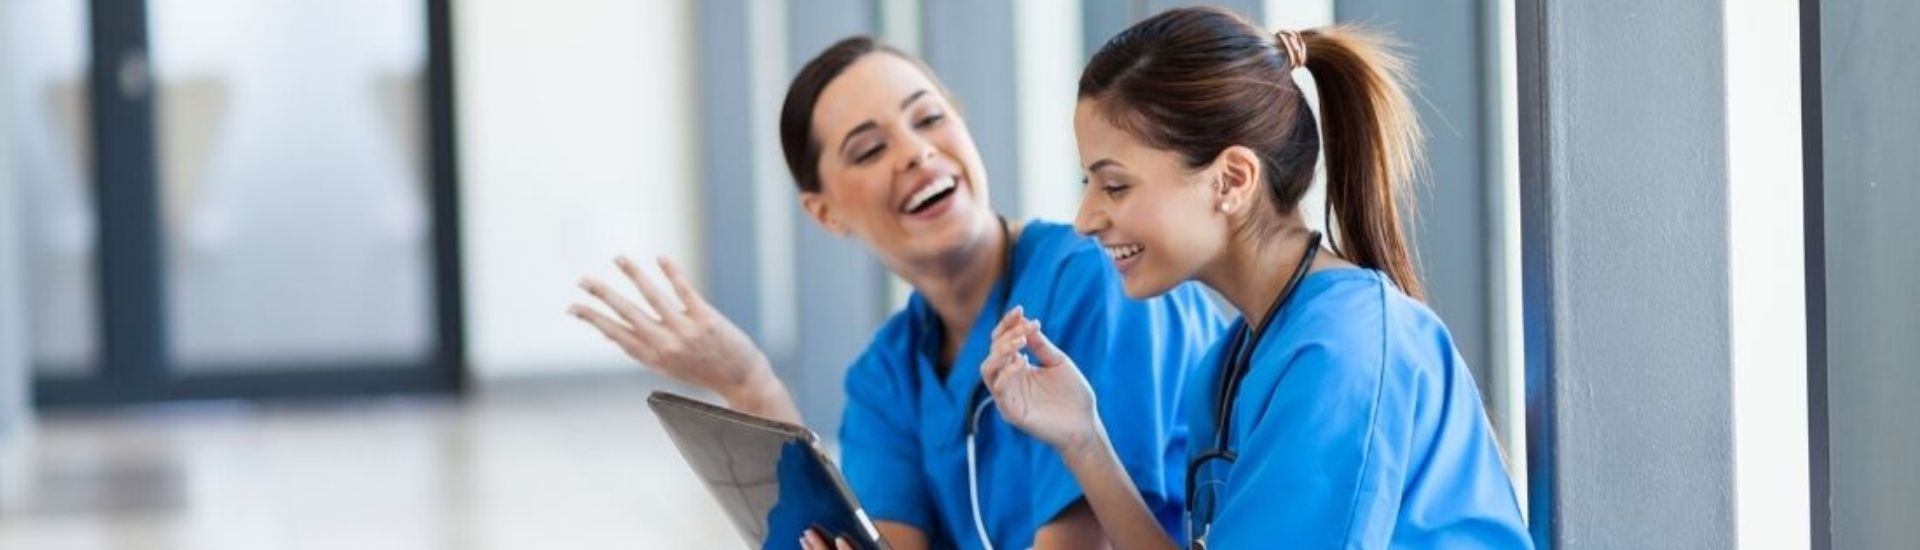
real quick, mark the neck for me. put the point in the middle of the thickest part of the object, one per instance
(957, 286)
(1255, 268)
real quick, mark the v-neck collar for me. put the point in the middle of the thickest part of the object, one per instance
(964, 375)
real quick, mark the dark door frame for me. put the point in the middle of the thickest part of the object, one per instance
(1814, 220)
(135, 363)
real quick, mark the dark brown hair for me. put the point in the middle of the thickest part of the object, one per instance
(797, 141)
(1199, 80)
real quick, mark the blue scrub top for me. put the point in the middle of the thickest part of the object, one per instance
(1358, 426)
(903, 436)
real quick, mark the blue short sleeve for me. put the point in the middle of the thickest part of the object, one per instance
(1119, 344)
(1359, 427)
(880, 445)
(1322, 469)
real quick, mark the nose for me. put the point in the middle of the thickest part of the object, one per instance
(920, 153)
(1091, 218)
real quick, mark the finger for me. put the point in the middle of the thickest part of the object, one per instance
(1009, 320)
(670, 314)
(614, 331)
(1019, 329)
(1048, 354)
(688, 296)
(632, 313)
(843, 543)
(812, 540)
(1007, 350)
(1006, 361)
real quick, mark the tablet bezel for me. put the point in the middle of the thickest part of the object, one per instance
(659, 400)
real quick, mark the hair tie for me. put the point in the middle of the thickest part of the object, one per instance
(1296, 48)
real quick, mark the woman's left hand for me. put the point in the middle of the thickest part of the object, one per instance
(1051, 400)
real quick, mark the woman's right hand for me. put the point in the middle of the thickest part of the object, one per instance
(689, 341)
(1049, 400)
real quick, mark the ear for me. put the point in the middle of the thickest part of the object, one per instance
(818, 208)
(1239, 175)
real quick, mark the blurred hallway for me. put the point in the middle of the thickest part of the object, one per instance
(579, 464)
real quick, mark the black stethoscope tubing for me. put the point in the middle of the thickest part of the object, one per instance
(1238, 362)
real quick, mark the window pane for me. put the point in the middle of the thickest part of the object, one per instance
(293, 182)
(49, 141)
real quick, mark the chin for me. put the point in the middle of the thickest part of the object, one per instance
(955, 233)
(1139, 286)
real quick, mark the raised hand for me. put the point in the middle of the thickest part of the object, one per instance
(687, 340)
(1049, 400)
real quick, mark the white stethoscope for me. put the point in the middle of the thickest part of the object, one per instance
(981, 399)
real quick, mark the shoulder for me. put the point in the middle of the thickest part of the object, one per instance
(1060, 266)
(1358, 323)
(1049, 247)
(889, 353)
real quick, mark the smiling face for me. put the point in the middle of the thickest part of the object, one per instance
(898, 169)
(1159, 221)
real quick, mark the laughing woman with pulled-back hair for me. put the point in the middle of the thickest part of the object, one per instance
(1338, 412)
(880, 154)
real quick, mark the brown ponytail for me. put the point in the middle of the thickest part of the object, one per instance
(1373, 146)
(1199, 80)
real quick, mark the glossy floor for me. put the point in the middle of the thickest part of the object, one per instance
(573, 466)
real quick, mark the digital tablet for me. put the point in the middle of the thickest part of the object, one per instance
(770, 477)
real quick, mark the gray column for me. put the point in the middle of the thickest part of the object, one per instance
(842, 288)
(1254, 9)
(1624, 212)
(969, 44)
(746, 193)
(1101, 19)
(1869, 132)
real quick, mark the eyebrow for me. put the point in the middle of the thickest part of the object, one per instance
(869, 125)
(1103, 164)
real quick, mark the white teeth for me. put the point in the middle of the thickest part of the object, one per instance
(1124, 251)
(927, 193)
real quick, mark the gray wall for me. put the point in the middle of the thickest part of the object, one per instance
(1624, 214)
(1872, 191)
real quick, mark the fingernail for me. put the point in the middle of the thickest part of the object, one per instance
(586, 284)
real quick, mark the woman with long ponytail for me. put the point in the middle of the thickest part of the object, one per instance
(1338, 413)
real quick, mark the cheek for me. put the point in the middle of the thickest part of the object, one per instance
(1182, 233)
(855, 191)
(954, 139)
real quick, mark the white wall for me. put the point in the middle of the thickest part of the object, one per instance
(1047, 70)
(576, 144)
(1767, 293)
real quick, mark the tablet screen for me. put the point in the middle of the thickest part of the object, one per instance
(769, 477)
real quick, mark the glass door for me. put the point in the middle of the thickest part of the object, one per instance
(231, 199)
